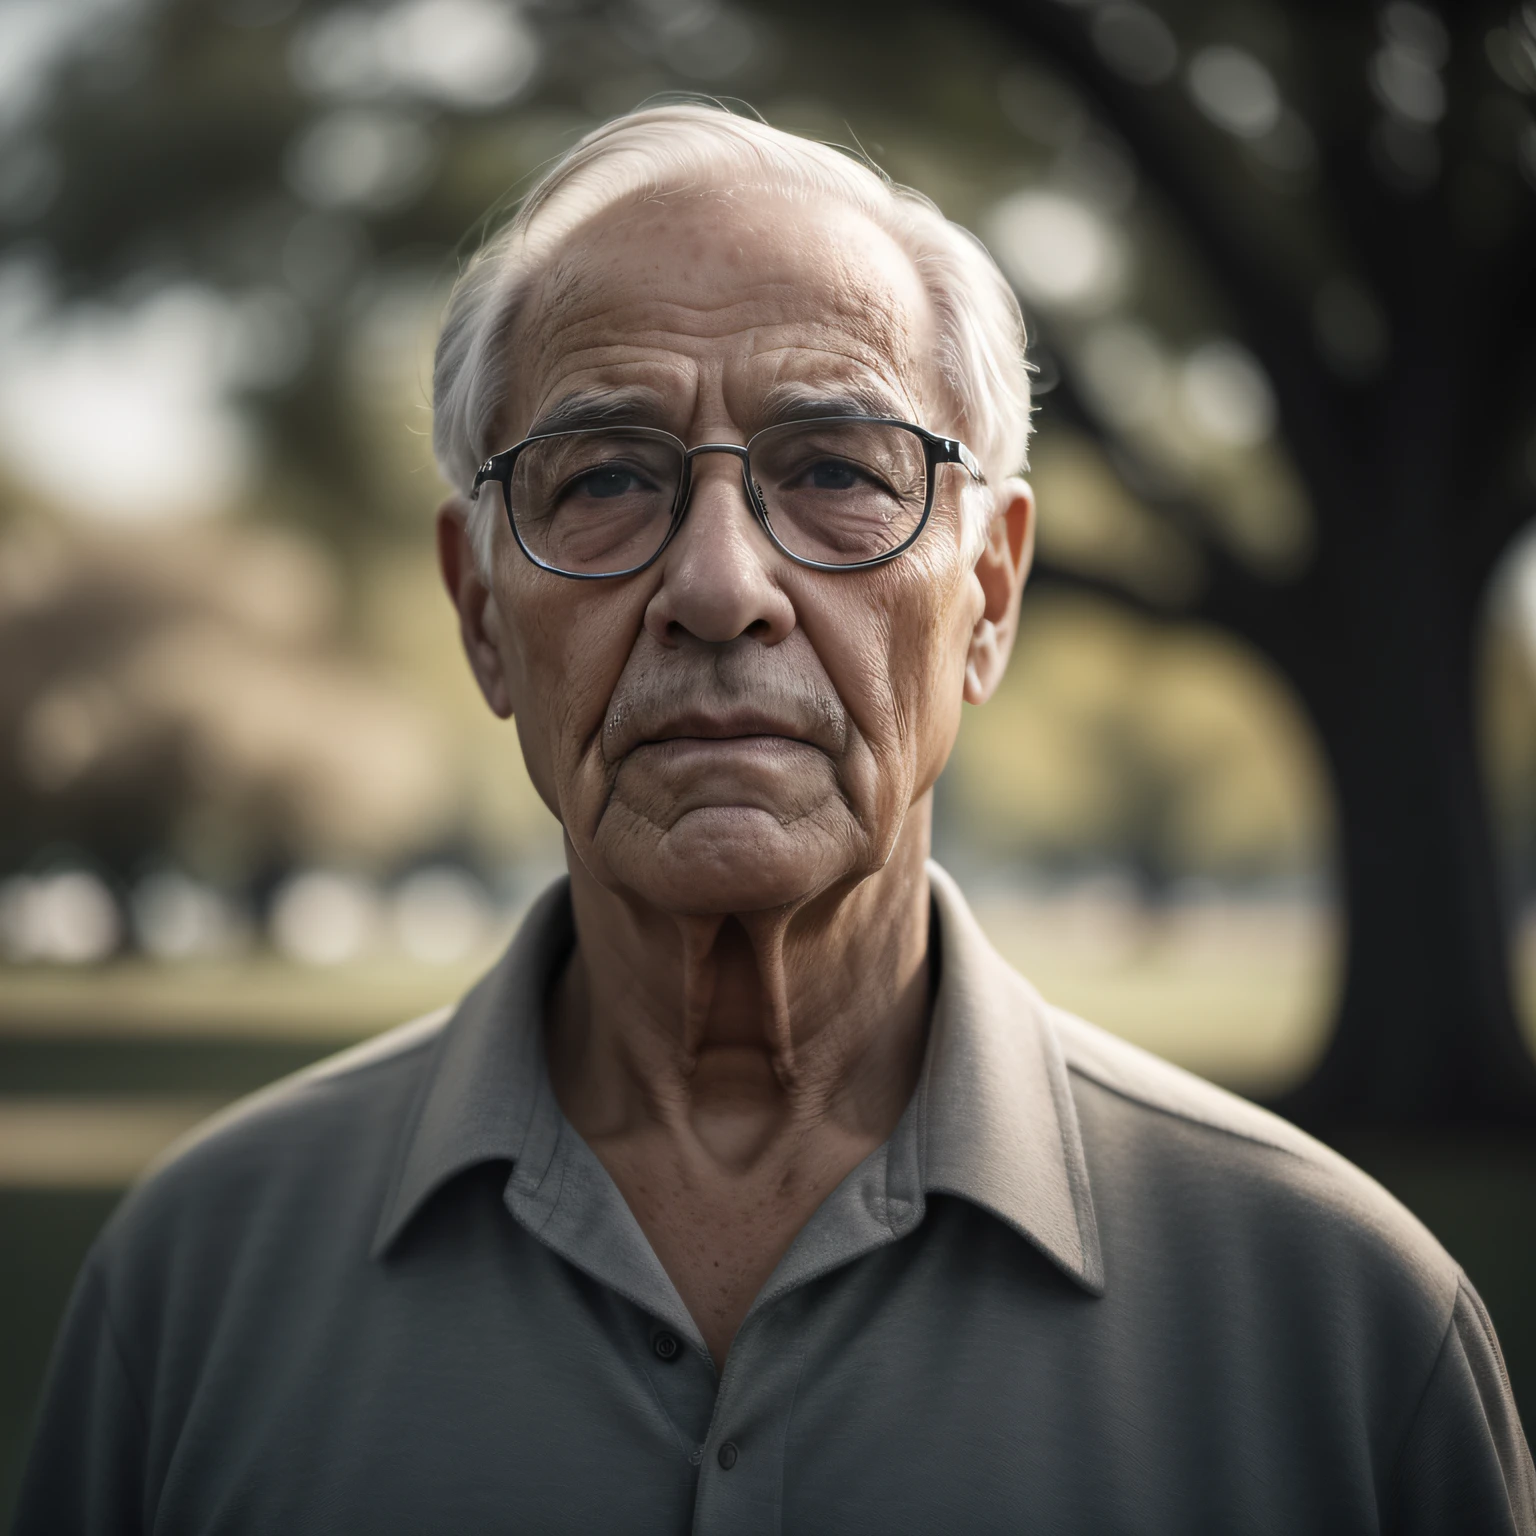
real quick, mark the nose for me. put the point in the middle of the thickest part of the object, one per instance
(717, 574)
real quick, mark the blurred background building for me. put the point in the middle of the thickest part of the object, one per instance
(1260, 789)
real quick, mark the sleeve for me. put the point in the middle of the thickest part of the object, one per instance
(1465, 1466)
(85, 1473)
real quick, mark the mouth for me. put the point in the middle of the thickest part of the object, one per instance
(759, 744)
(734, 729)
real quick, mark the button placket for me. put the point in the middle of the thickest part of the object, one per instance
(741, 1469)
(681, 1379)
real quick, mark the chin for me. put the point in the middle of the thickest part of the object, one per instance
(730, 859)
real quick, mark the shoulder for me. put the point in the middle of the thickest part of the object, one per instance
(350, 1098)
(327, 1135)
(1151, 1091)
(1232, 1178)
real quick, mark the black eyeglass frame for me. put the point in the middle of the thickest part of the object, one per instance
(937, 448)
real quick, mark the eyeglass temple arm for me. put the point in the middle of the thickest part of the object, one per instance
(950, 450)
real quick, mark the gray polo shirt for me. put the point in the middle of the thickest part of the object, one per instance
(1077, 1291)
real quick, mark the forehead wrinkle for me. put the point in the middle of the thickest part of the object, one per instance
(882, 319)
(670, 383)
(650, 320)
(794, 372)
(890, 351)
(861, 280)
(753, 393)
(672, 367)
(888, 336)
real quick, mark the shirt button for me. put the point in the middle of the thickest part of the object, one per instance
(666, 1346)
(727, 1455)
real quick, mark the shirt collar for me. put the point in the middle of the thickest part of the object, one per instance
(993, 1115)
(999, 1125)
(486, 1074)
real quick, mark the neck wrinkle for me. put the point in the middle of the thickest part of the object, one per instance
(832, 992)
(700, 974)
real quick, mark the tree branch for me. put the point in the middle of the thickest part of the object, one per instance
(1311, 405)
(1266, 613)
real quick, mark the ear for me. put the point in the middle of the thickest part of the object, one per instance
(479, 618)
(1002, 571)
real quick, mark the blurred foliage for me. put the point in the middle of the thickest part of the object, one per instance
(1117, 742)
(307, 172)
(182, 694)
(299, 178)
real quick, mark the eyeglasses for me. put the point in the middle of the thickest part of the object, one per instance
(839, 493)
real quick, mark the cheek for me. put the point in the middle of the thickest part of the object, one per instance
(929, 653)
(566, 645)
(928, 666)
(895, 646)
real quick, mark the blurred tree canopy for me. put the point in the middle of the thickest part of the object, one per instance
(1277, 262)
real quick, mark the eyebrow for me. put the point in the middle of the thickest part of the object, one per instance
(804, 402)
(635, 406)
(588, 408)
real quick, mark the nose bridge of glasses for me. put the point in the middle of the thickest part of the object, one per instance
(735, 450)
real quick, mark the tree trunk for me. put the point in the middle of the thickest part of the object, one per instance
(1426, 1027)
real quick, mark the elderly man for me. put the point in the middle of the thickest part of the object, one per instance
(752, 1192)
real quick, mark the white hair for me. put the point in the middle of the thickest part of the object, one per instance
(690, 146)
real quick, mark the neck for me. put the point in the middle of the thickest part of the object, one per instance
(739, 1036)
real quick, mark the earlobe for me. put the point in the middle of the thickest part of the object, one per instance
(985, 663)
(479, 619)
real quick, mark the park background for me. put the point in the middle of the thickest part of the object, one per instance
(1259, 791)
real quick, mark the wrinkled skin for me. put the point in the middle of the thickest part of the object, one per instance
(741, 750)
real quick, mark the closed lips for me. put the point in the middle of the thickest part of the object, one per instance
(632, 728)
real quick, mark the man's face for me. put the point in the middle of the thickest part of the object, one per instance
(728, 731)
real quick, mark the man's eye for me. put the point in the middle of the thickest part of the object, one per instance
(607, 483)
(833, 475)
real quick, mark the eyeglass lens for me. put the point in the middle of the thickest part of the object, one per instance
(838, 493)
